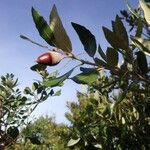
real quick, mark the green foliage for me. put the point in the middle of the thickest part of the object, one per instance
(114, 113)
(120, 30)
(12, 109)
(56, 25)
(12, 102)
(88, 76)
(16, 107)
(100, 62)
(44, 133)
(97, 120)
(142, 44)
(13, 132)
(57, 81)
(102, 54)
(114, 39)
(51, 32)
(44, 30)
(142, 62)
(87, 38)
(36, 138)
(112, 57)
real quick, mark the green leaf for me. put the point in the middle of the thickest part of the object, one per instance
(44, 30)
(34, 86)
(13, 132)
(120, 31)
(142, 62)
(142, 44)
(114, 40)
(86, 70)
(38, 67)
(61, 40)
(146, 9)
(23, 99)
(139, 28)
(58, 93)
(86, 77)
(36, 138)
(40, 89)
(87, 38)
(132, 10)
(107, 111)
(51, 92)
(27, 90)
(99, 146)
(112, 57)
(73, 142)
(102, 54)
(57, 81)
(100, 62)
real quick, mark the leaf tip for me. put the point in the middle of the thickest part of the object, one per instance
(21, 36)
(73, 24)
(32, 9)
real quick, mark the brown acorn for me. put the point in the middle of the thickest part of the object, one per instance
(50, 58)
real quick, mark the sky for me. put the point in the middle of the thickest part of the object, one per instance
(17, 55)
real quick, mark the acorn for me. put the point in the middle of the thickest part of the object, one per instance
(51, 58)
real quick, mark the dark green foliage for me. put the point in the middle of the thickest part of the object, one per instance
(142, 46)
(12, 101)
(112, 57)
(142, 62)
(57, 81)
(115, 40)
(100, 62)
(13, 132)
(42, 134)
(44, 29)
(16, 107)
(148, 1)
(36, 138)
(87, 38)
(98, 121)
(38, 67)
(88, 76)
(120, 30)
(102, 54)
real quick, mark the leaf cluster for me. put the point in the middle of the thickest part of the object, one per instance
(43, 133)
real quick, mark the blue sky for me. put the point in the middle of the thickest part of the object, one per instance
(17, 55)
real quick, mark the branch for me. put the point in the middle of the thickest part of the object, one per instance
(72, 56)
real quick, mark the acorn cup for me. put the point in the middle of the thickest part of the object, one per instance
(50, 58)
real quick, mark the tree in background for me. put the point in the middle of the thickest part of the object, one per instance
(114, 113)
(44, 133)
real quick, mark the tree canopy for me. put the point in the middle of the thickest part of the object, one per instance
(113, 114)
